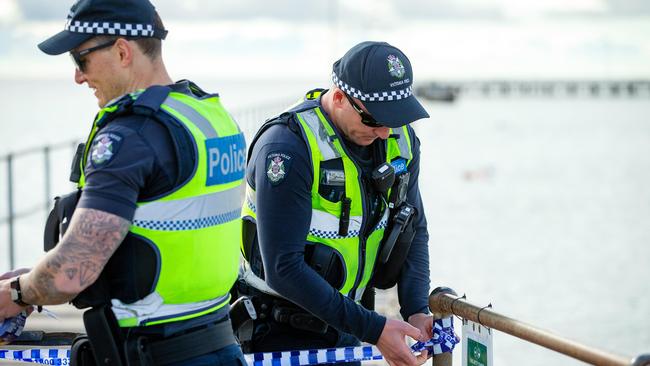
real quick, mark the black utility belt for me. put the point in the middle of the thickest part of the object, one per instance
(187, 346)
(106, 343)
(275, 309)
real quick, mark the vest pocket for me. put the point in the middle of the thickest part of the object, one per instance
(327, 262)
(333, 208)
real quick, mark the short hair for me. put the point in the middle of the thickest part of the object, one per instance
(150, 46)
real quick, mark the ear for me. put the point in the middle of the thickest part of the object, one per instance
(338, 99)
(125, 52)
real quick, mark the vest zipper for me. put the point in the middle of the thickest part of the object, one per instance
(364, 221)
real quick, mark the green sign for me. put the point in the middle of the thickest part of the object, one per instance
(476, 353)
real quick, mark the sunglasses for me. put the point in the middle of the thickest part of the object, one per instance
(77, 56)
(366, 118)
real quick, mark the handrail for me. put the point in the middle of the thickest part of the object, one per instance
(12, 215)
(443, 300)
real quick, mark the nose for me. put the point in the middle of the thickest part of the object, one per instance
(79, 76)
(382, 132)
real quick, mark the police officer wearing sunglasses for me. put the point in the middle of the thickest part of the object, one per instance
(151, 234)
(333, 210)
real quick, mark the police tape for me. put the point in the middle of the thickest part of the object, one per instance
(44, 356)
(444, 340)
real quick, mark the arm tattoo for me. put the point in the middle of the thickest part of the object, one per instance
(76, 262)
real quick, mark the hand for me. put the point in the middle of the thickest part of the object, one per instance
(8, 308)
(14, 273)
(424, 323)
(393, 346)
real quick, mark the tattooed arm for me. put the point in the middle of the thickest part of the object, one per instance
(76, 262)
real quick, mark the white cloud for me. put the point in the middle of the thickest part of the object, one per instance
(9, 12)
(532, 46)
(518, 9)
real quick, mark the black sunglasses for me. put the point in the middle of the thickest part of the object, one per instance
(77, 56)
(366, 118)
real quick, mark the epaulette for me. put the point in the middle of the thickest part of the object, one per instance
(284, 118)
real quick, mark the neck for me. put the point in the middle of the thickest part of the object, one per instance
(148, 74)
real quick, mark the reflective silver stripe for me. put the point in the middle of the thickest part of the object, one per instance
(151, 308)
(324, 144)
(191, 213)
(358, 294)
(402, 143)
(325, 225)
(195, 117)
(251, 199)
(251, 279)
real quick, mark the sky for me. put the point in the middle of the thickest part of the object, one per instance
(292, 39)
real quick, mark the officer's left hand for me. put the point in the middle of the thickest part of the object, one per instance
(424, 323)
(8, 308)
(14, 273)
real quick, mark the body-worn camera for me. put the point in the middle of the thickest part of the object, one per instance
(383, 177)
(398, 224)
(400, 188)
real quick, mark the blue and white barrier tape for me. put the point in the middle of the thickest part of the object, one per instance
(444, 340)
(45, 356)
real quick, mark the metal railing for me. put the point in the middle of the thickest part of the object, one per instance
(12, 215)
(249, 120)
(444, 302)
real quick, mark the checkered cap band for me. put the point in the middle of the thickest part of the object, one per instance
(385, 96)
(111, 29)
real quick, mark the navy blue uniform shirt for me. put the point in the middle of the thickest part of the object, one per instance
(142, 164)
(283, 219)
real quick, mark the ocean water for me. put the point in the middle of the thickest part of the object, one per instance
(540, 207)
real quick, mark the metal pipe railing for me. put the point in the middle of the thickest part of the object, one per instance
(444, 300)
(12, 215)
(10, 209)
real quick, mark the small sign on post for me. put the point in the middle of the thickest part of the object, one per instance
(477, 344)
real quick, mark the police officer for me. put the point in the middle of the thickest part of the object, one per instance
(321, 183)
(152, 245)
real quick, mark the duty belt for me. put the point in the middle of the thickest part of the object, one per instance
(189, 345)
(271, 308)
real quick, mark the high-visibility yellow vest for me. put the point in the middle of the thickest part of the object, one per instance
(194, 229)
(358, 252)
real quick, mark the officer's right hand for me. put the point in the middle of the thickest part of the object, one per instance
(393, 346)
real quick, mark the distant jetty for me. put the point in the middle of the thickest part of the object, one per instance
(448, 91)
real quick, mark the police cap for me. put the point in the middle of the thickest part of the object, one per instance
(90, 18)
(380, 75)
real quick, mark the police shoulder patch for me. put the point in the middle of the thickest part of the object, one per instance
(104, 148)
(277, 166)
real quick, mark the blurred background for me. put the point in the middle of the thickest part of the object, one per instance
(535, 161)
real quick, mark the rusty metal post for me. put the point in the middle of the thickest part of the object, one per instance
(443, 359)
(447, 303)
